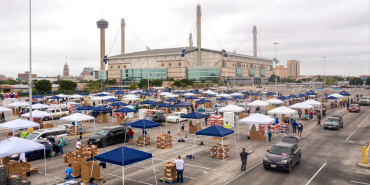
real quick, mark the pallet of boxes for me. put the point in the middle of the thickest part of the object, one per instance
(74, 131)
(15, 171)
(194, 128)
(170, 174)
(257, 135)
(220, 151)
(164, 141)
(141, 141)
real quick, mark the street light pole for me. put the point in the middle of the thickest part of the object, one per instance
(324, 73)
(30, 73)
(349, 73)
(275, 43)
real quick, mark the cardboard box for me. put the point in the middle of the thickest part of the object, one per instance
(88, 169)
(120, 120)
(76, 167)
(34, 170)
(5, 160)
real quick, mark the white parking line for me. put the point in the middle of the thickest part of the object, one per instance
(358, 182)
(316, 174)
(243, 173)
(311, 132)
(358, 127)
(130, 179)
(362, 172)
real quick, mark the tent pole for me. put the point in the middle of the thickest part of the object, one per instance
(92, 168)
(238, 131)
(155, 176)
(59, 121)
(193, 147)
(94, 125)
(45, 160)
(236, 146)
(123, 175)
(52, 119)
(222, 140)
(13, 132)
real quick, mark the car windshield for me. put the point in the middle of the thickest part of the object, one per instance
(334, 120)
(175, 114)
(32, 136)
(280, 150)
(353, 105)
(102, 132)
(150, 118)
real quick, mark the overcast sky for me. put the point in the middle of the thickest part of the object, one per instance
(306, 30)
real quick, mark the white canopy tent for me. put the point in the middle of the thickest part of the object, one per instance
(189, 94)
(131, 98)
(282, 110)
(77, 117)
(19, 124)
(16, 145)
(38, 114)
(258, 103)
(108, 97)
(62, 95)
(18, 104)
(209, 92)
(236, 94)
(231, 108)
(131, 92)
(76, 96)
(336, 95)
(3, 109)
(223, 95)
(39, 106)
(171, 95)
(257, 119)
(301, 105)
(274, 101)
(312, 102)
(104, 93)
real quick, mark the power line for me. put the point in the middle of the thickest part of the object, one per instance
(114, 41)
(243, 42)
(265, 45)
(137, 37)
(213, 34)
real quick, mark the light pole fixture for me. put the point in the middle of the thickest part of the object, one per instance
(276, 61)
(349, 72)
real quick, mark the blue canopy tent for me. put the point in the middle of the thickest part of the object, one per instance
(255, 94)
(191, 91)
(125, 110)
(283, 98)
(111, 100)
(311, 93)
(303, 95)
(102, 109)
(331, 98)
(37, 96)
(146, 94)
(293, 96)
(166, 91)
(118, 104)
(148, 102)
(223, 99)
(191, 98)
(144, 124)
(238, 97)
(172, 100)
(194, 115)
(54, 97)
(119, 92)
(101, 94)
(215, 131)
(165, 105)
(86, 107)
(246, 93)
(138, 92)
(197, 92)
(344, 93)
(84, 94)
(211, 96)
(184, 104)
(203, 101)
(123, 156)
(179, 92)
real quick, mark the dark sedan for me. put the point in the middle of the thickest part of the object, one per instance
(283, 155)
(50, 149)
(108, 135)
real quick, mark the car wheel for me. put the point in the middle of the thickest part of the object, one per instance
(46, 118)
(265, 167)
(53, 153)
(290, 168)
(104, 144)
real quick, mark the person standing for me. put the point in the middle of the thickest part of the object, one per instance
(24, 133)
(78, 144)
(248, 110)
(347, 104)
(323, 113)
(291, 118)
(299, 113)
(3, 117)
(319, 119)
(269, 132)
(180, 169)
(81, 130)
(182, 126)
(300, 129)
(69, 172)
(61, 144)
(130, 136)
(190, 123)
(227, 125)
(243, 158)
(196, 106)
(294, 125)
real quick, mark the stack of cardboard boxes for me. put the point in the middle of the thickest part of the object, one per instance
(170, 173)
(228, 118)
(84, 152)
(194, 128)
(74, 131)
(257, 135)
(14, 167)
(220, 152)
(141, 141)
(102, 119)
(87, 168)
(10, 134)
(243, 115)
(48, 125)
(164, 141)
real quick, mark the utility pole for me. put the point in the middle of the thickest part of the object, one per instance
(349, 73)
(276, 69)
(30, 74)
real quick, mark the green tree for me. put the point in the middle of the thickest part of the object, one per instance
(331, 81)
(9, 82)
(67, 85)
(144, 83)
(171, 79)
(215, 80)
(132, 86)
(183, 85)
(187, 81)
(42, 86)
(157, 82)
(309, 79)
(356, 81)
(194, 86)
(339, 78)
(221, 84)
(368, 80)
(203, 81)
(319, 78)
(304, 79)
(299, 81)
(57, 82)
(177, 83)
(348, 79)
(272, 78)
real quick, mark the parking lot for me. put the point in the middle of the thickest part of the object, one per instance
(328, 156)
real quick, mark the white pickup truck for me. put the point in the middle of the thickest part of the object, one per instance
(176, 117)
(57, 113)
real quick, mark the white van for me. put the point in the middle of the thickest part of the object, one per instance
(42, 134)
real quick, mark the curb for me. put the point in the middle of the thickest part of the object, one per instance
(363, 165)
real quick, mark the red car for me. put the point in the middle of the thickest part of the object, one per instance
(354, 108)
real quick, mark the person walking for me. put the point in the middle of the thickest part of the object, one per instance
(182, 126)
(299, 113)
(180, 169)
(347, 105)
(81, 128)
(78, 144)
(269, 132)
(69, 172)
(3, 117)
(24, 133)
(291, 118)
(243, 158)
(130, 136)
(300, 129)
(294, 125)
(319, 119)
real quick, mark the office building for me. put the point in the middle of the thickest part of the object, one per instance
(25, 76)
(294, 68)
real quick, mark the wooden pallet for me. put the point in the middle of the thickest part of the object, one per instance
(220, 157)
(219, 138)
(141, 144)
(165, 182)
(88, 181)
(165, 147)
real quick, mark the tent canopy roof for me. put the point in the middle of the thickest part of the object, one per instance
(3, 109)
(301, 105)
(258, 103)
(257, 119)
(19, 124)
(101, 109)
(165, 105)
(125, 110)
(282, 110)
(215, 131)
(77, 117)
(144, 124)
(18, 104)
(123, 156)
(184, 104)
(312, 102)
(344, 93)
(194, 115)
(172, 100)
(16, 145)
(274, 101)
(231, 108)
(37, 114)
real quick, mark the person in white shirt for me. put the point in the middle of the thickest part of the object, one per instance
(180, 169)
(22, 157)
(78, 144)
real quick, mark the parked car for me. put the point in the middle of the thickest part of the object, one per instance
(108, 135)
(158, 117)
(39, 154)
(333, 123)
(42, 134)
(354, 108)
(283, 155)
(176, 117)
(365, 100)
(57, 113)
(260, 86)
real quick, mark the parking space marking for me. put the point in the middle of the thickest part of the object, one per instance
(188, 164)
(243, 173)
(316, 174)
(362, 172)
(311, 132)
(358, 182)
(358, 127)
(130, 179)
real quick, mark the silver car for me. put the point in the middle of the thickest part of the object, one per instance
(42, 134)
(333, 123)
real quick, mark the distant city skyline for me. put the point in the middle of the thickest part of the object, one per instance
(59, 30)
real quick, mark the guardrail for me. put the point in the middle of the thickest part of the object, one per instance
(366, 151)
